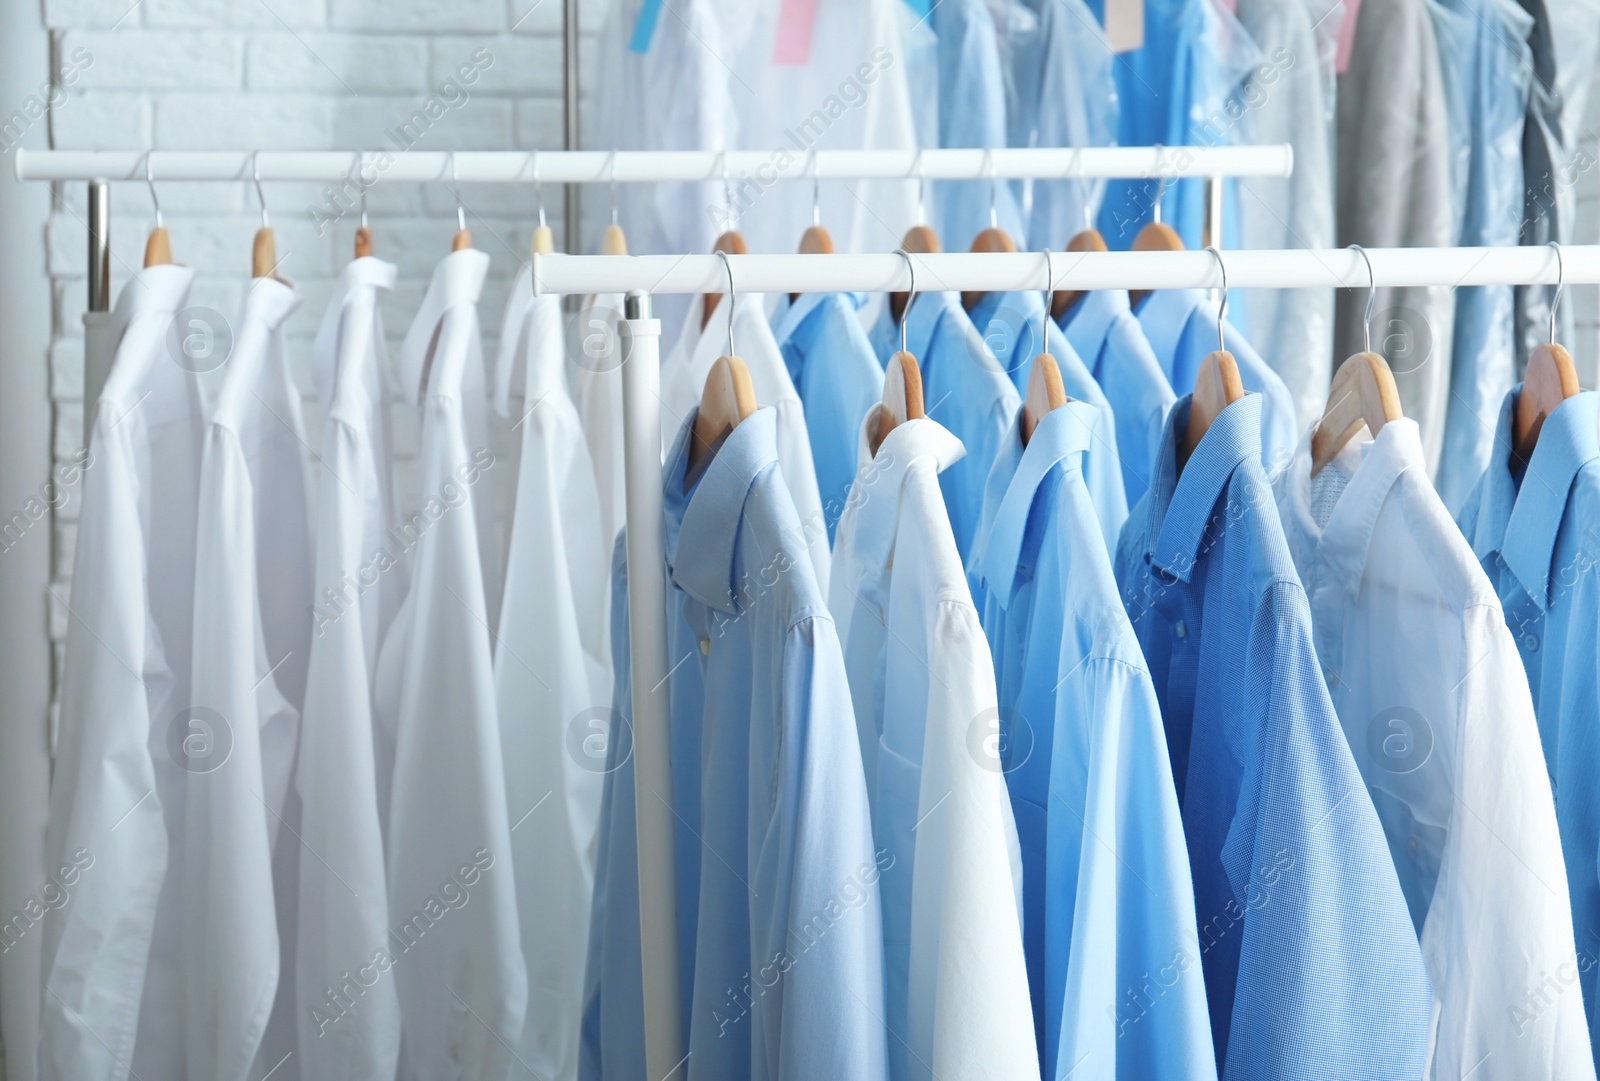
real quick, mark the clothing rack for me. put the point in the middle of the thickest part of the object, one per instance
(637, 277)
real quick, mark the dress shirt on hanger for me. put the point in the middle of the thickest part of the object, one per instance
(1107, 891)
(463, 985)
(683, 377)
(552, 673)
(838, 379)
(1534, 536)
(252, 642)
(1428, 687)
(1304, 933)
(1107, 336)
(112, 960)
(779, 924)
(594, 371)
(346, 755)
(920, 672)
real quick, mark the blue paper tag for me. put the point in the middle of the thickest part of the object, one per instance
(644, 27)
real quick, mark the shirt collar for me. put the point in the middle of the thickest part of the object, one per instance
(1181, 505)
(1089, 321)
(928, 311)
(457, 280)
(700, 551)
(1373, 466)
(160, 289)
(1165, 315)
(1568, 441)
(876, 490)
(1061, 438)
(795, 313)
(1497, 491)
(271, 301)
(368, 273)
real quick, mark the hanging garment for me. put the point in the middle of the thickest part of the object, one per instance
(683, 379)
(1111, 342)
(252, 642)
(1535, 538)
(1304, 935)
(346, 757)
(1284, 101)
(594, 370)
(112, 960)
(779, 925)
(552, 675)
(460, 975)
(1061, 93)
(972, 113)
(1394, 191)
(1547, 205)
(1108, 903)
(1181, 327)
(1011, 324)
(838, 379)
(1427, 685)
(920, 676)
(964, 389)
(1489, 63)
(1178, 89)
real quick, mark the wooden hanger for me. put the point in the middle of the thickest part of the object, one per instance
(157, 246)
(902, 377)
(730, 242)
(1363, 393)
(613, 241)
(727, 398)
(920, 240)
(1045, 390)
(363, 244)
(1157, 235)
(1549, 380)
(1062, 302)
(1216, 385)
(463, 237)
(991, 239)
(543, 241)
(816, 240)
(264, 248)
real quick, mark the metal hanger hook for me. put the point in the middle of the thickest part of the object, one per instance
(994, 184)
(816, 191)
(922, 187)
(727, 188)
(150, 180)
(911, 268)
(1372, 295)
(538, 186)
(455, 189)
(1161, 183)
(255, 174)
(1222, 309)
(361, 185)
(1561, 280)
(732, 296)
(612, 162)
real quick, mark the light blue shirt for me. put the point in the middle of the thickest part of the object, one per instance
(1107, 336)
(1108, 902)
(1181, 327)
(972, 113)
(1305, 938)
(964, 389)
(779, 924)
(1539, 544)
(838, 379)
(1012, 325)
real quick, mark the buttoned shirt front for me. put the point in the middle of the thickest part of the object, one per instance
(921, 678)
(780, 941)
(1108, 899)
(1304, 934)
(1107, 336)
(1429, 689)
(1541, 550)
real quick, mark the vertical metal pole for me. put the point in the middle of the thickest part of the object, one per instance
(569, 116)
(647, 638)
(97, 320)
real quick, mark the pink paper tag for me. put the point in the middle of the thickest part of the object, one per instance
(1230, 6)
(1124, 25)
(796, 18)
(1347, 36)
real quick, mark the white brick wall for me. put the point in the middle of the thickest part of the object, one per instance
(303, 75)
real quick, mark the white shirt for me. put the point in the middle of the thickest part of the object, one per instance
(920, 676)
(342, 775)
(594, 354)
(117, 797)
(683, 378)
(252, 640)
(552, 676)
(1436, 708)
(462, 982)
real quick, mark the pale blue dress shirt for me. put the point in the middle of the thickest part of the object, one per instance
(1311, 963)
(1108, 903)
(1181, 327)
(1107, 336)
(1538, 542)
(779, 923)
(964, 389)
(838, 379)
(1012, 325)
